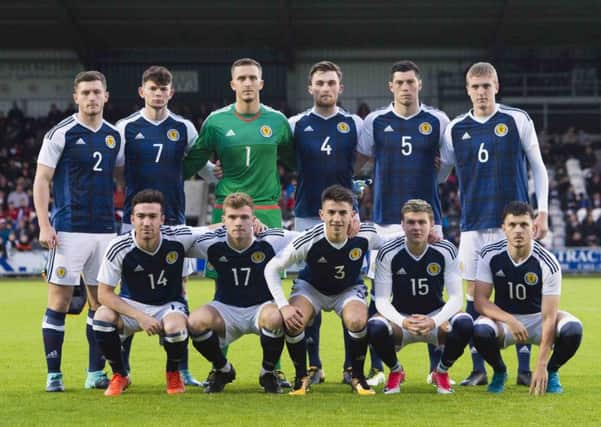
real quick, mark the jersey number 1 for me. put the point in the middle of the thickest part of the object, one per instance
(245, 270)
(161, 281)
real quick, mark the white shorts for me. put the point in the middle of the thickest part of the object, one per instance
(189, 266)
(470, 244)
(76, 254)
(431, 338)
(532, 322)
(238, 321)
(389, 232)
(131, 326)
(301, 224)
(320, 301)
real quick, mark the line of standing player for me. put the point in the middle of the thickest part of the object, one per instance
(405, 84)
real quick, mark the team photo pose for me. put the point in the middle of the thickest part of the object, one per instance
(331, 281)
(411, 276)
(147, 264)
(242, 303)
(491, 147)
(77, 160)
(526, 279)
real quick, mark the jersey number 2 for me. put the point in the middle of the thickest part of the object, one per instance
(98, 156)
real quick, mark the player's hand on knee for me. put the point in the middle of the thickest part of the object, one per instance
(293, 317)
(411, 325)
(426, 325)
(519, 332)
(150, 325)
(538, 383)
(48, 238)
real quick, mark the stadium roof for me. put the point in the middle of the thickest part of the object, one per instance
(295, 24)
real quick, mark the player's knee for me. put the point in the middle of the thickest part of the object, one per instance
(463, 325)
(568, 325)
(59, 298)
(483, 333)
(174, 324)
(378, 329)
(198, 323)
(356, 323)
(271, 319)
(570, 332)
(105, 314)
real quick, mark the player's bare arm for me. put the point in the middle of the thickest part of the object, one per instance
(549, 308)
(484, 306)
(41, 201)
(541, 225)
(108, 298)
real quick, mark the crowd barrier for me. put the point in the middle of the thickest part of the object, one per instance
(572, 260)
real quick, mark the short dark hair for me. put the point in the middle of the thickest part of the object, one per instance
(323, 66)
(148, 196)
(338, 193)
(404, 66)
(157, 74)
(89, 76)
(246, 61)
(518, 208)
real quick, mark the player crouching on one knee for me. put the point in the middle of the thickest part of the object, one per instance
(148, 262)
(411, 275)
(526, 279)
(243, 303)
(331, 280)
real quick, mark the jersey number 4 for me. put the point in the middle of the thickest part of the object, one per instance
(161, 281)
(326, 147)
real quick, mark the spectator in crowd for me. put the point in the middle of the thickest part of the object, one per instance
(18, 198)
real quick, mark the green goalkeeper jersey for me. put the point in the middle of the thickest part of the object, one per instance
(247, 146)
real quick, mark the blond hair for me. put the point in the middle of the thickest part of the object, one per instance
(237, 201)
(417, 205)
(481, 69)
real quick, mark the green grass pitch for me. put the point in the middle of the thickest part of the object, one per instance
(24, 402)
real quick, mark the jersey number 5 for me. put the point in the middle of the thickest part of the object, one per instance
(406, 147)
(420, 286)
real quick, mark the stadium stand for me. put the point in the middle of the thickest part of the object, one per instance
(572, 159)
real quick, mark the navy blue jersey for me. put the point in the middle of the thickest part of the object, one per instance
(331, 268)
(154, 154)
(404, 149)
(240, 274)
(150, 278)
(84, 160)
(519, 288)
(490, 160)
(417, 282)
(325, 155)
